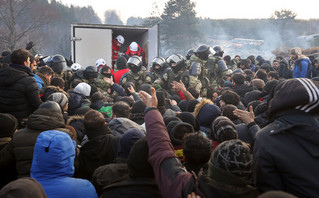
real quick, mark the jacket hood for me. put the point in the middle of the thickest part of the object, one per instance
(53, 156)
(119, 126)
(13, 73)
(83, 88)
(44, 119)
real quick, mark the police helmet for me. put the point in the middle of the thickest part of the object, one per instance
(159, 61)
(189, 53)
(219, 51)
(57, 63)
(134, 61)
(203, 52)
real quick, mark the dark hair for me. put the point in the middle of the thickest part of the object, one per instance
(46, 70)
(97, 96)
(239, 79)
(230, 97)
(274, 74)
(197, 149)
(245, 62)
(126, 99)
(227, 59)
(58, 82)
(32, 58)
(227, 111)
(93, 120)
(19, 56)
(121, 109)
(261, 74)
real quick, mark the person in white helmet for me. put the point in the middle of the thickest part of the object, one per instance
(135, 49)
(116, 44)
(75, 67)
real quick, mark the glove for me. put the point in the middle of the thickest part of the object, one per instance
(29, 45)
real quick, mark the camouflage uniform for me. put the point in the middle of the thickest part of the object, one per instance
(104, 87)
(137, 78)
(168, 78)
(217, 70)
(66, 76)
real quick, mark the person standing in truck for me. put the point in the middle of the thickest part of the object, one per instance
(135, 49)
(117, 42)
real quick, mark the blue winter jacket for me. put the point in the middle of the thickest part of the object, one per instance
(53, 167)
(39, 81)
(302, 68)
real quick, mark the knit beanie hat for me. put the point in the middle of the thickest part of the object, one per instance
(137, 110)
(127, 141)
(137, 161)
(223, 129)
(83, 88)
(205, 112)
(190, 119)
(8, 125)
(60, 98)
(51, 105)
(183, 105)
(233, 156)
(177, 130)
(121, 62)
(191, 105)
(299, 93)
(167, 120)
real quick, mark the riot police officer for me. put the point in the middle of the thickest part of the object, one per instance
(158, 67)
(137, 73)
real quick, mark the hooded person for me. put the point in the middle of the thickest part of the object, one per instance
(141, 182)
(79, 97)
(53, 166)
(24, 188)
(117, 171)
(293, 109)
(19, 151)
(101, 147)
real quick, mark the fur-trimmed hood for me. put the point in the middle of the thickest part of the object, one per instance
(206, 112)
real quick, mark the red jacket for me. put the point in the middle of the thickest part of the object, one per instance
(119, 74)
(115, 50)
(140, 52)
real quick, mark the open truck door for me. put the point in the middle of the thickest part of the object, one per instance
(90, 44)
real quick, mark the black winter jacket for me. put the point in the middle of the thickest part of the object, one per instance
(19, 93)
(20, 148)
(286, 154)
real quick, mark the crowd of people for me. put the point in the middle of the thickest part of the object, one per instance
(200, 125)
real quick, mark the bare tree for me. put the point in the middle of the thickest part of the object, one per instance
(18, 19)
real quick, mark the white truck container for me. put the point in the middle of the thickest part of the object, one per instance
(90, 42)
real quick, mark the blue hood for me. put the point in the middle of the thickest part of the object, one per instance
(53, 155)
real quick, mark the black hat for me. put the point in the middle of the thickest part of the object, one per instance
(127, 141)
(183, 105)
(177, 130)
(190, 119)
(191, 105)
(167, 120)
(121, 62)
(137, 161)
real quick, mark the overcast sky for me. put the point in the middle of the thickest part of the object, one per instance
(305, 9)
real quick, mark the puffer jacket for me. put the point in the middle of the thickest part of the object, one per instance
(53, 167)
(19, 93)
(20, 148)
